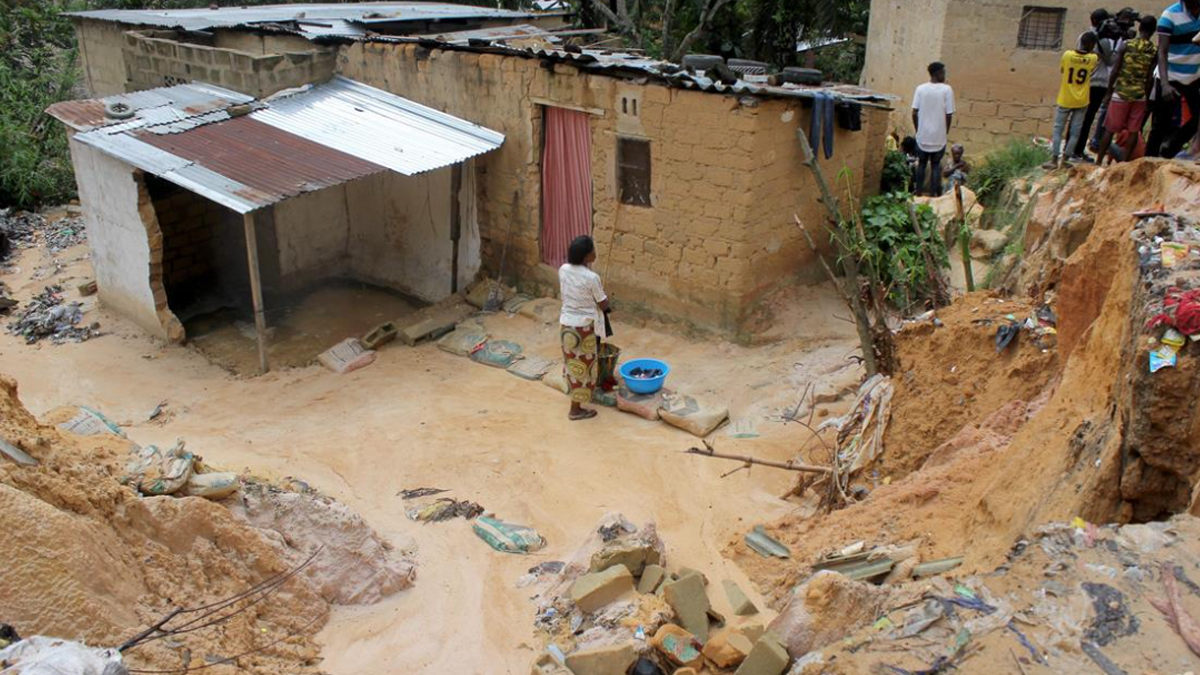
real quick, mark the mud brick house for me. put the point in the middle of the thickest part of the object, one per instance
(1001, 58)
(410, 144)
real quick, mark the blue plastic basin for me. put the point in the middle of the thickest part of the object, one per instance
(648, 386)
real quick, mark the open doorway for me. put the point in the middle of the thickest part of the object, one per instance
(566, 181)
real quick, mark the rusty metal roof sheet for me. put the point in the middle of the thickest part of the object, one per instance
(149, 107)
(246, 157)
(313, 14)
(366, 122)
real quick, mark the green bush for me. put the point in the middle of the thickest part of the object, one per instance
(896, 174)
(896, 251)
(1001, 166)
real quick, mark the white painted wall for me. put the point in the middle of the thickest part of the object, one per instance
(312, 232)
(400, 232)
(108, 193)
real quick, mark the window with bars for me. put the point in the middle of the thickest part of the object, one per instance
(633, 171)
(1041, 28)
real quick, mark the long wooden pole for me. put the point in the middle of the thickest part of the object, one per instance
(790, 466)
(964, 244)
(456, 178)
(260, 321)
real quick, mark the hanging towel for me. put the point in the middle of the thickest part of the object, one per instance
(828, 126)
(849, 116)
(814, 124)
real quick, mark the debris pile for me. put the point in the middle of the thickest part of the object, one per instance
(45, 316)
(27, 230)
(618, 607)
(1168, 249)
(1070, 598)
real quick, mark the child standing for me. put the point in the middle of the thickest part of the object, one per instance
(1128, 89)
(1076, 66)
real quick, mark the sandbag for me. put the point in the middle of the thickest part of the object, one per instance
(532, 367)
(507, 537)
(479, 292)
(216, 485)
(41, 655)
(497, 353)
(88, 422)
(642, 405)
(514, 304)
(546, 310)
(347, 356)
(463, 340)
(555, 378)
(691, 415)
(156, 472)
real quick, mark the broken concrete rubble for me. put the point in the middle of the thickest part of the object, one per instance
(728, 648)
(768, 657)
(738, 601)
(680, 647)
(602, 660)
(688, 598)
(593, 591)
(652, 576)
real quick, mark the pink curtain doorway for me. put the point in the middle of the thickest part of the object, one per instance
(566, 182)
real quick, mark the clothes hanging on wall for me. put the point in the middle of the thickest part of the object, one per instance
(820, 128)
(849, 116)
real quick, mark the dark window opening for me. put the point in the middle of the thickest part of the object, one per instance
(633, 171)
(1041, 28)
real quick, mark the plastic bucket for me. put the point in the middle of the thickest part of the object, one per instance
(645, 385)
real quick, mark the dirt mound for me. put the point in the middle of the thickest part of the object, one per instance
(951, 375)
(87, 559)
(1105, 440)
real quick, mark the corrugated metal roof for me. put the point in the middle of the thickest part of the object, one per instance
(364, 12)
(152, 106)
(366, 122)
(300, 142)
(263, 158)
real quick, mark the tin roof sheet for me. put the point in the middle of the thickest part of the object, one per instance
(364, 12)
(303, 141)
(366, 122)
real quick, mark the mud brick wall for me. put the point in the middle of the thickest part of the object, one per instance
(726, 177)
(160, 58)
(1003, 91)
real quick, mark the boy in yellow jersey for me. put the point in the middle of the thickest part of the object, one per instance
(1074, 93)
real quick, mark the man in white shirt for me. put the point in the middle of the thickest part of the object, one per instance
(932, 112)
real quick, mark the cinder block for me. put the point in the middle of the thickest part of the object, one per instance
(768, 657)
(652, 576)
(728, 648)
(610, 660)
(687, 597)
(594, 591)
(738, 601)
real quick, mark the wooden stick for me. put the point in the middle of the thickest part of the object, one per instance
(965, 249)
(789, 465)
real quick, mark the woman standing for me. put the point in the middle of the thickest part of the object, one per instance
(582, 319)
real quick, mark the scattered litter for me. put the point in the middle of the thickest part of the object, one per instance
(157, 412)
(743, 428)
(497, 353)
(40, 655)
(420, 492)
(859, 442)
(507, 537)
(88, 422)
(766, 545)
(1164, 357)
(445, 508)
(935, 567)
(88, 288)
(45, 316)
(1006, 335)
(26, 230)
(347, 356)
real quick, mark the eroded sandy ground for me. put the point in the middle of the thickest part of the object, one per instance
(422, 417)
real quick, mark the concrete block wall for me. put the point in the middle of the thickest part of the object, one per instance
(690, 255)
(159, 58)
(189, 225)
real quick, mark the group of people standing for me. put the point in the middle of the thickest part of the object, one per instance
(1124, 71)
